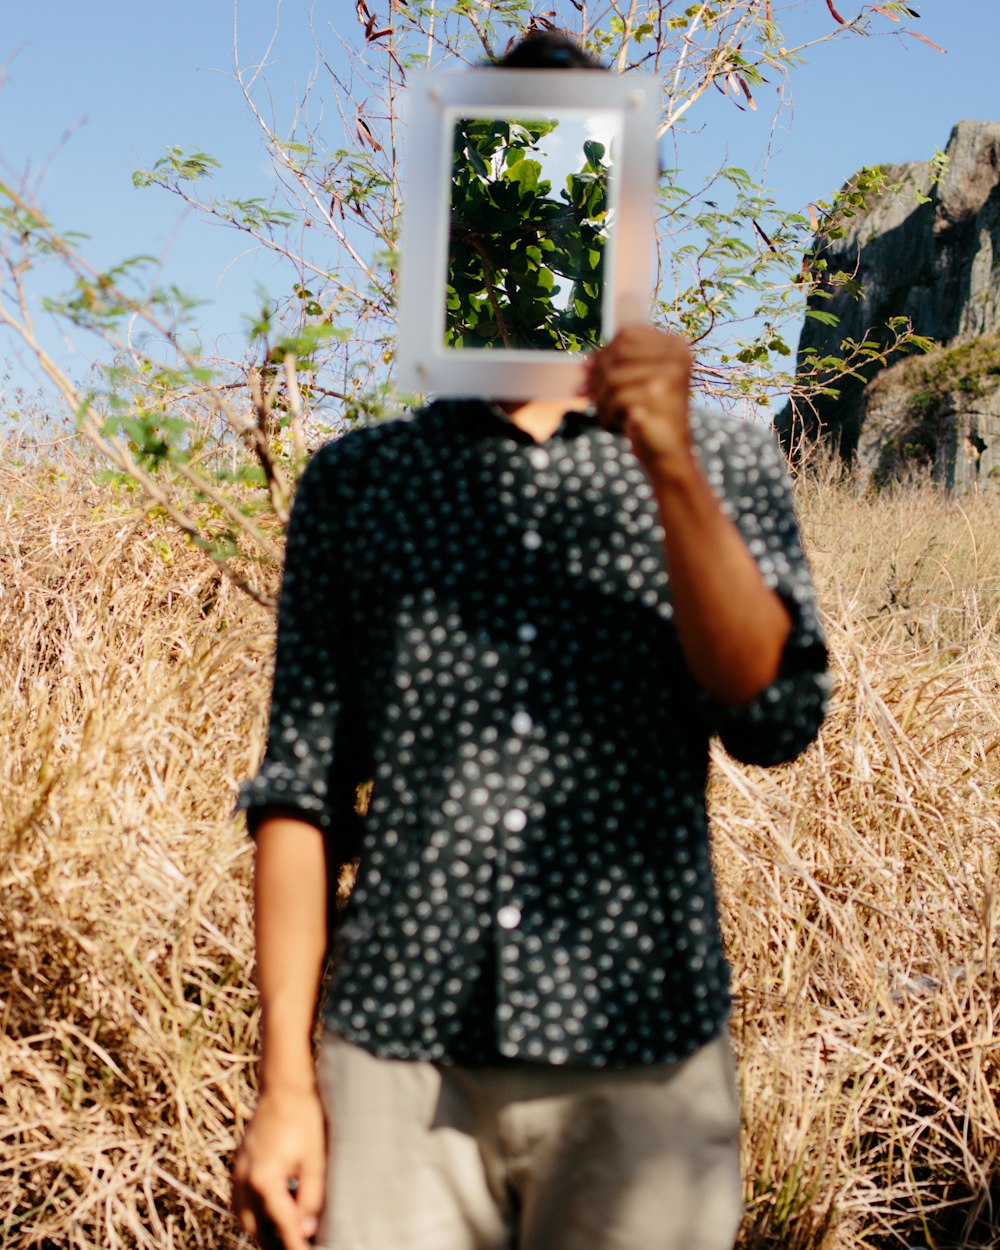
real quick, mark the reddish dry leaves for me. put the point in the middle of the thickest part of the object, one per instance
(923, 39)
(364, 132)
(893, 17)
(733, 85)
(763, 235)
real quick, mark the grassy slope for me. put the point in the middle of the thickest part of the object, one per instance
(858, 885)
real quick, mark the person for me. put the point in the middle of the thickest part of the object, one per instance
(524, 622)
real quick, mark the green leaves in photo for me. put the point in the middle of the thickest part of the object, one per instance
(525, 264)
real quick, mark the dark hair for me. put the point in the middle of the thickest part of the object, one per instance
(547, 49)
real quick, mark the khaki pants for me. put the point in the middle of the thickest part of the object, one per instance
(529, 1157)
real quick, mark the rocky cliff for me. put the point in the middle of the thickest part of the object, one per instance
(929, 250)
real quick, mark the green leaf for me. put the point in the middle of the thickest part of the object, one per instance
(526, 174)
(477, 162)
(594, 153)
(176, 166)
(825, 318)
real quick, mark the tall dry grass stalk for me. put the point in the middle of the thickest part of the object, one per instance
(858, 885)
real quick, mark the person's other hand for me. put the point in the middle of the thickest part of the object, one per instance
(639, 383)
(285, 1143)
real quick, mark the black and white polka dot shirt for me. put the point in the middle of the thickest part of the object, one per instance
(483, 625)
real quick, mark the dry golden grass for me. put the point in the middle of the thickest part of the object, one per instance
(860, 892)
(858, 885)
(131, 685)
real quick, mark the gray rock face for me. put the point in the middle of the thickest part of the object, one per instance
(936, 414)
(937, 262)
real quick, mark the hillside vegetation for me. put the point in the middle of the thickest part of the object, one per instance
(859, 885)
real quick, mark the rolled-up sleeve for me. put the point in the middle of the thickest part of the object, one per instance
(786, 716)
(296, 774)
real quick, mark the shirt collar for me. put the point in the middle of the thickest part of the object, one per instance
(485, 417)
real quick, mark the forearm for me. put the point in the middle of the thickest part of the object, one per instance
(290, 924)
(732, 628)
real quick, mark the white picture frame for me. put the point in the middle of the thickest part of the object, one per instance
(436, 102)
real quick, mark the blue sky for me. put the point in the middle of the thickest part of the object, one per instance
(89, 92)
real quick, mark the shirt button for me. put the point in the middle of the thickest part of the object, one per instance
(521, 723)
(515, 820)
(509, 916)
(539, 458)
(526, 632)
(531, 540)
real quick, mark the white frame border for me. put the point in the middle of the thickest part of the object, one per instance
(434, 101)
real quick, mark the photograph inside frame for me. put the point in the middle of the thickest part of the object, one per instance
(527, 226)
(530, 217)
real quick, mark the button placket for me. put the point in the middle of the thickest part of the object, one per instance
(509, 907)
(532, 515)
(508, 912)
(525, 752)
(508, 920)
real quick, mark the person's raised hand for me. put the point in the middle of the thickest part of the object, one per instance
(284, 1142)
(639, 384)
